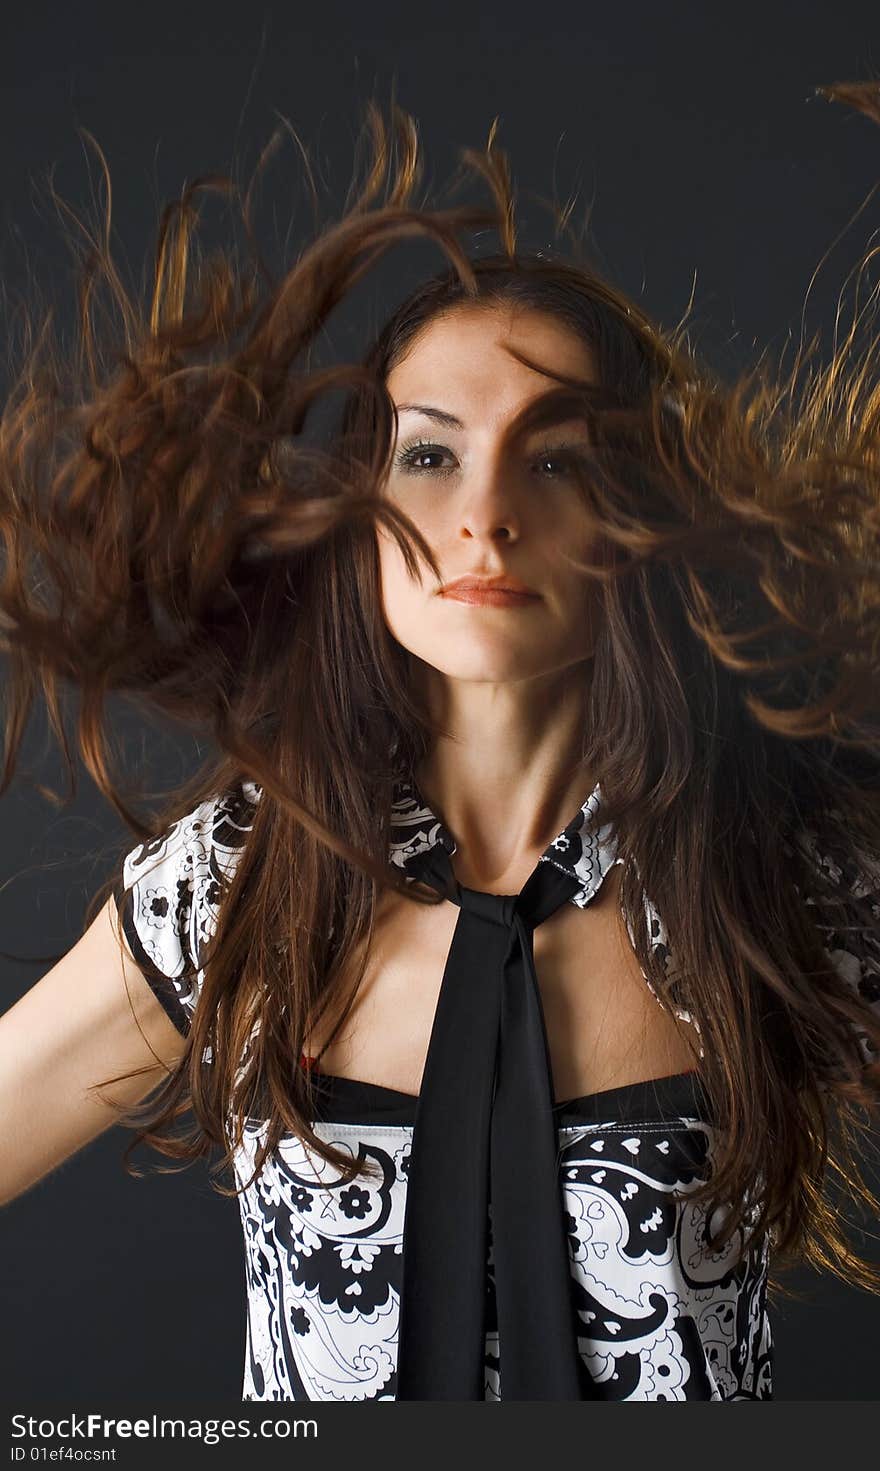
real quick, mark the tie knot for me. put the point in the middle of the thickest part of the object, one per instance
(545, 891)
(496, 908)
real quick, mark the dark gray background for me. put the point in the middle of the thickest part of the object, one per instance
(704, 162)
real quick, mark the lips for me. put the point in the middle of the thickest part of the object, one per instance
(495, 597)
(502, 591)
(502, 582)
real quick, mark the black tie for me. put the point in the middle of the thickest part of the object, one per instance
(485, 1130)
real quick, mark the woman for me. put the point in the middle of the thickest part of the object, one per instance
(519, 949)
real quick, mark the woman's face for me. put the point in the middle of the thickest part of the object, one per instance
(489, 507)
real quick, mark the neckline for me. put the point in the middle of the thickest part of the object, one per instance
(353, 1100)
(584, 850)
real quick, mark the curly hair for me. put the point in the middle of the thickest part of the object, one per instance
(176, 530)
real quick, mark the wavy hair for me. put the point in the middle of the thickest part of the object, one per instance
(175, 530)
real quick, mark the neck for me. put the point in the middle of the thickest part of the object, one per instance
(507, 773)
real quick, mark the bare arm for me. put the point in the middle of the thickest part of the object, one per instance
(91, 1017)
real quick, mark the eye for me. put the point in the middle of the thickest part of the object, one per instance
(419, 449)
(565, 458)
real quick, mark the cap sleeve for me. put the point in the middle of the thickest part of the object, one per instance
(168, 896)
(853, 951)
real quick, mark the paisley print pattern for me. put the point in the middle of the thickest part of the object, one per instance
(323, 1268)
(664, 1317)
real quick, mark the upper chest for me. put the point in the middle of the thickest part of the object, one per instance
(601, 1018)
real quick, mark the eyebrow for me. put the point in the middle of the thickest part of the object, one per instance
(439, 415)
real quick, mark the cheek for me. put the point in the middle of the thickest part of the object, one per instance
(400, 593)
(576, 597)
(574, 540)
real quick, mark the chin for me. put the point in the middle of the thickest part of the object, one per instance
(480, 667)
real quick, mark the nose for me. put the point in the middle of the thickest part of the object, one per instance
(488, 512)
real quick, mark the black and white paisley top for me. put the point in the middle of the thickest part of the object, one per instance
(505, 1244)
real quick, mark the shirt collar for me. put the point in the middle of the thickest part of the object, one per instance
(586, 856)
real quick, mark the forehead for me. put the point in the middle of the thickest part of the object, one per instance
(462, 361)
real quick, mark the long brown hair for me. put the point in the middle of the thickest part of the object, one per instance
(175, 531)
